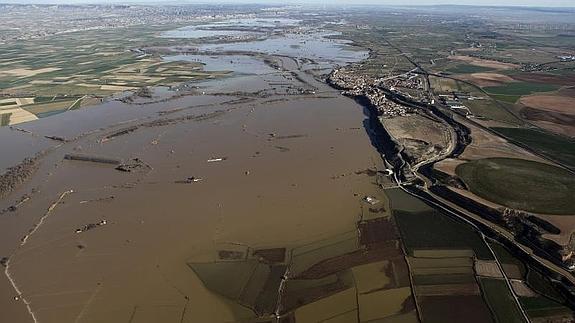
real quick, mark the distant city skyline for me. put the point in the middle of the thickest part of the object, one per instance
(548, 3)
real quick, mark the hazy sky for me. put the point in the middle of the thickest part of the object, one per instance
(547, 3)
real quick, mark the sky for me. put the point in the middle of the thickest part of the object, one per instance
(547, 3)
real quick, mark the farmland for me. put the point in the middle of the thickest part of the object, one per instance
(467, 69)
(500, 301)
(542, 298)
(65, 72)
(431, 230)
(501, 180)
(553, 146)
(520, 88)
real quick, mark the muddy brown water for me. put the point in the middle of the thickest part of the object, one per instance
(135, 267)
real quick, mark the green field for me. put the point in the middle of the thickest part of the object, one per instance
(506, 98)
(542, 307)
(553, 146)
(5, 119)
(493, 110)
(467, 69)
(500, 301)
(433, 230)
(521, 184)
(91, 62)
(520, 88)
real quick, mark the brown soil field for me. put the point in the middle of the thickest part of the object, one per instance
(447, 290)
(545, 78)
(346, 261)
(486, 145)
(566, 130)
(448, 166)
(560, 123)
(551, 103)
(549, 116)
(483, 62)
(512, 271)
(486, 79)
(568, 91)
(442, 270)
(487, 268)
(522, 289)
(418, 263)
(442, 253)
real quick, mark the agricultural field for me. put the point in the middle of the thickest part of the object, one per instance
(502, 180)
(513, 267)
(543, 307)
(467, 69)
(552, 146)
(493, 110)
(45, 76)
(501, 301)
(432, 230)
(512, 91)
(537, 295)
(343, 277)
(440, 309)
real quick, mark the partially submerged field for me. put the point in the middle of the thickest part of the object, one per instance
(65, 72)
(521, 184)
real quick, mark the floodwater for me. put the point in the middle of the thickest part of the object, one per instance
(232, 27)
(212, 178)
(16, 145)
(287, 178)
(239, 64)
(314, 46)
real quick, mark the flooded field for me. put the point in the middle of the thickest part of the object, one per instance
(191, 207)
(240, 64)
(316, 46)
(267, 191)
(253, 194)
(233, 27)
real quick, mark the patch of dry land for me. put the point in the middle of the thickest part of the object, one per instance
(483, 62)
(13, 116)
(552, 103)
(422, 137)
(484, 145)
(25, 72)
(552, 112)
(486, 79)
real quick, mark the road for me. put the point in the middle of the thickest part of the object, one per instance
(472, 219)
